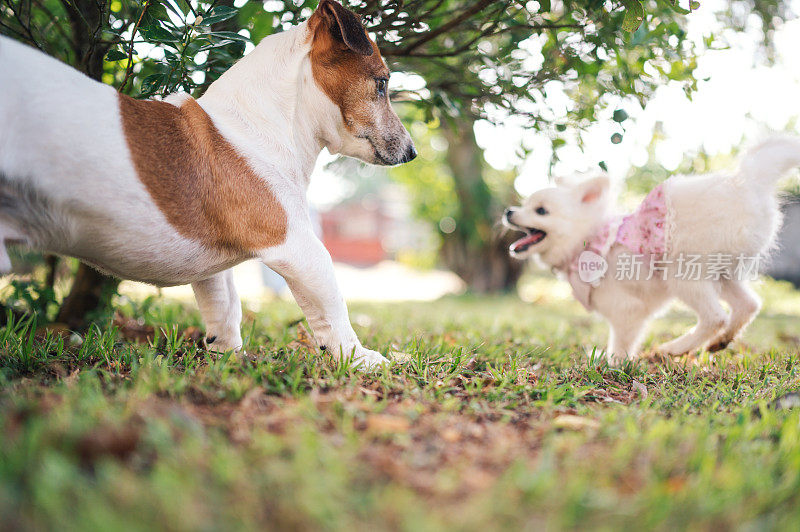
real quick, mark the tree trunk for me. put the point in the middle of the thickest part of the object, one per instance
(476, 251)
(90, 288)
(89, 294)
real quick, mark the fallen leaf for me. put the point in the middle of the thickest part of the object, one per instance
(675, 484)
(570, 422)
(133, 330)
(400, 357)
(641, 388)
(193, 334)
(58, 369)
(72, 378)
(525, 376)
(385, 424)
(451, 435)
(101, 442)
(303, 339)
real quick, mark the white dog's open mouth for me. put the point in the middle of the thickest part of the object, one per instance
(533, 237)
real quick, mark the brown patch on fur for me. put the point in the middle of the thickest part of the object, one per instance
(346, 77)
(205, 188)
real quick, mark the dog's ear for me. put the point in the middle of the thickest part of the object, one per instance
(345, 26)
(592, 190)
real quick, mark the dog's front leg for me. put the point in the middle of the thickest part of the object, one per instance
(624, 338)
(626, 315)
(308, 269)
(221, 310)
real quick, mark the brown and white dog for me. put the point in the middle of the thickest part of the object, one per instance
(178, 191)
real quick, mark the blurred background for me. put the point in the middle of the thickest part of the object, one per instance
(498, 96)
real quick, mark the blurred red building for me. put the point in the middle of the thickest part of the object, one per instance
(366, 230)
(354, 232)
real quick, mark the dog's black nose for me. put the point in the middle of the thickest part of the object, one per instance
(410, 154)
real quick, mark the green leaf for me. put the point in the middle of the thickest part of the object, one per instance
(229, 35)
(184, 6)
(634, 15)
(218, 14)
(673, 4)
(159, 34)
(179, 8)
(620, 115)
(215, 44)
(262, 24)
(151, 83)
(115, 55)
(158, 12)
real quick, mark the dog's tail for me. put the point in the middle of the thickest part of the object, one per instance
(770, 160)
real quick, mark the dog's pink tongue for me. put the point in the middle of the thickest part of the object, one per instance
(527, 240)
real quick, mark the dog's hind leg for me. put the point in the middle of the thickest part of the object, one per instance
(703, 298)
(744, 304)
(5, 260)
(221, 310)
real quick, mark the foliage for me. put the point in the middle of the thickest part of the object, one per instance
(30, 296)
(471, 54)
(496, 419)
(430, 179)
(151, 47)
(501, 60)
(641, 180)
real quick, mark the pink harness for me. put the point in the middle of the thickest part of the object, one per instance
(644, 232)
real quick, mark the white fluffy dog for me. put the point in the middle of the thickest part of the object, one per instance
(698, 239)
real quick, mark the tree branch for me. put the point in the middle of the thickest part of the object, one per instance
(129, 66)
(444, 28)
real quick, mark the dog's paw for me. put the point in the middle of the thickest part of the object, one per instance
(617, 360)
(221, 344)
(367, 359)
(674, 348)
(718, 345)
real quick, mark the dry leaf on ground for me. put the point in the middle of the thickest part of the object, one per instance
(570, 422)
(385, 424)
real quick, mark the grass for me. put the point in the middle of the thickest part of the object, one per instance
(492, 417)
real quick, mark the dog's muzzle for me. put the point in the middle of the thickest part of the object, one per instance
(409, 155)
(532, 235)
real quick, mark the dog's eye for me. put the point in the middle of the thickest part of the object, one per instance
(541, 211)
(380, 84)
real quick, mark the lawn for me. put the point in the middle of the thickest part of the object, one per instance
(491, 416)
